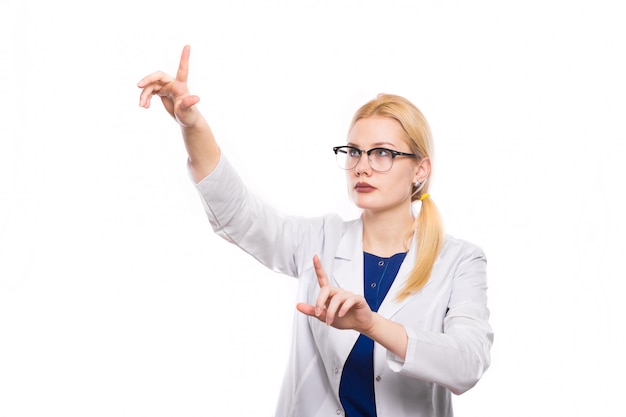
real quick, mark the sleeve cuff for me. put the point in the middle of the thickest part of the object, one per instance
(396, 363)
(212, 176)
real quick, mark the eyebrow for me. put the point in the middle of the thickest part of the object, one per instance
(375, 144)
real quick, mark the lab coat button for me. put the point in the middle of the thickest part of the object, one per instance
(378, 378)
(336, 370)
(338, 412)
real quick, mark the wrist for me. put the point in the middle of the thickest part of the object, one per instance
(391, 335)
(374, 326)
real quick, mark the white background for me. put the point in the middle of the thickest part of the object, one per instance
(117, 300)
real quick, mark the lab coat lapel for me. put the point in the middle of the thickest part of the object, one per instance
(348, 264)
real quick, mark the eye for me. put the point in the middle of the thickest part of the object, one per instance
(353, 153)
(382, 153)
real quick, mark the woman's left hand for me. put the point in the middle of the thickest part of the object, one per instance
(336, 307)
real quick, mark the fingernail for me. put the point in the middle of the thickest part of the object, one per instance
(140, 83)
(318, 311)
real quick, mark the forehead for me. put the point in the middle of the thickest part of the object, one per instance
(377, 131)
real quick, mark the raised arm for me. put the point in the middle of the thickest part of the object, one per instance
(202, 149)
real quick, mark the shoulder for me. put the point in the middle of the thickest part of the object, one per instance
(332, 226)
(460, 250)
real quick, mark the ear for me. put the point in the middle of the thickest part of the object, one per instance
(422, 170)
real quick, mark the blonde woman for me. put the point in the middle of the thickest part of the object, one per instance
(393, 315)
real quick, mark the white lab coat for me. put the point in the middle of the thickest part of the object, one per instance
(449, 337)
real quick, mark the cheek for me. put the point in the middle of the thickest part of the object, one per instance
(349, 177)
(403, 184)
(349, 187)
(402, 189)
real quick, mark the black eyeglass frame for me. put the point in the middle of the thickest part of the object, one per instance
(337, 149)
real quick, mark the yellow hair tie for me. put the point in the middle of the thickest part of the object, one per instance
(424, 196)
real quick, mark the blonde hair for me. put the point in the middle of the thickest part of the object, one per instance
(428, 226)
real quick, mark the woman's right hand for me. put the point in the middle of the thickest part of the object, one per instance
(173, 92)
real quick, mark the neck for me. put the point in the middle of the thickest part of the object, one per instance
(385, 234)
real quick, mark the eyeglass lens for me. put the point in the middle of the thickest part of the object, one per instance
(379, 159)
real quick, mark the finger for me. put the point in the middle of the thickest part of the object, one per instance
(323, 297)
(183, 66)
(155, 77)
(307, 309)
(151, 85)
(322, 278)
(149, 91)
(347, 305)
(336, 304)
(146, 95)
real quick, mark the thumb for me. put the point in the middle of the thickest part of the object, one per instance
(189, 102)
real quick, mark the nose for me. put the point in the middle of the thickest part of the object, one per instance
(363, 166)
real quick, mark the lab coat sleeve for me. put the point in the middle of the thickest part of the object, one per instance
(458, 357)
(242, 218)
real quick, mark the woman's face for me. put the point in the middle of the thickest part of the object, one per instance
(382, 191)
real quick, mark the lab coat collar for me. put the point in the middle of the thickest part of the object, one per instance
(348, 265)
(348, 269)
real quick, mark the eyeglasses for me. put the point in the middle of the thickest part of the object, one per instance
(380, 159)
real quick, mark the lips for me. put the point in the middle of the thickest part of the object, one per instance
(363, 187)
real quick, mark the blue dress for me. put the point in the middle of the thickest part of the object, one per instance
(356, 389)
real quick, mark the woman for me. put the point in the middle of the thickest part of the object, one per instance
(393, 317)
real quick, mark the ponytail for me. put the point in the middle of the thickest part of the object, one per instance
(428, 230)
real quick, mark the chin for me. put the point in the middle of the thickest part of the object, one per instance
(377, 203)
(364, 204)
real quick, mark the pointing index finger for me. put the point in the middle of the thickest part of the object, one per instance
(322, 278)
(183, 67)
